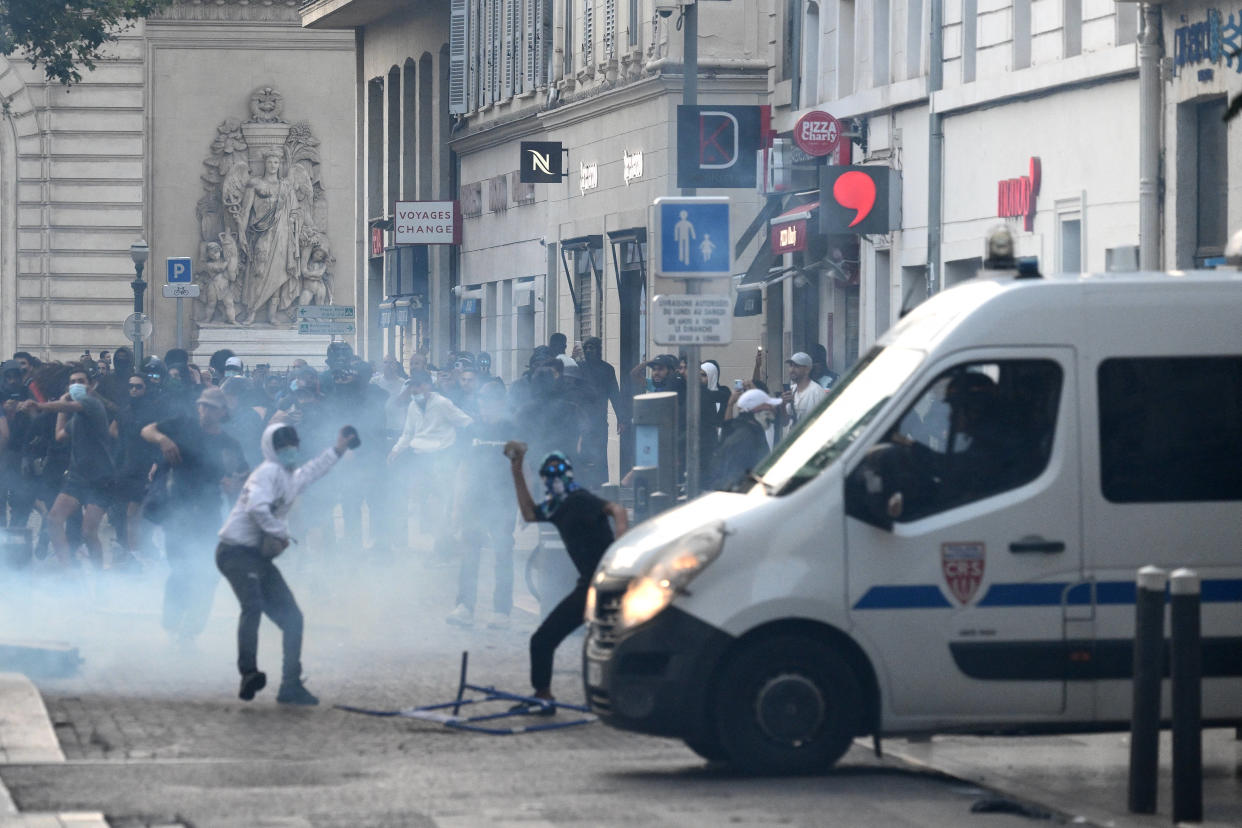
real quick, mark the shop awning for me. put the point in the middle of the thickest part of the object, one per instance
(802, 212)
(590, 243)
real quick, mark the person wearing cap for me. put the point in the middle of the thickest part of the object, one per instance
(803, 395)
(743, 438)
(234, 367)
(253, 535)
(201, 464)
(582, 520)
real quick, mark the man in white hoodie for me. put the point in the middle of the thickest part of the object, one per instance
(253, 535)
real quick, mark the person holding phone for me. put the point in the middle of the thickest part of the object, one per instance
(254, 534)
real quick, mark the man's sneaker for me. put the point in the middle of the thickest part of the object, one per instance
(251, 683)
(535, 708)
(461, 616)
(498, 622)
(294, 692)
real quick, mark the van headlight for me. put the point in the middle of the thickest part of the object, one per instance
(669, 573)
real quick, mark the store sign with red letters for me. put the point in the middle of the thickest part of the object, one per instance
(1015, 197)
(962, 563)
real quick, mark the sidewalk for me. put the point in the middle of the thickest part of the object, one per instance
(26, 737)
(1084, 775)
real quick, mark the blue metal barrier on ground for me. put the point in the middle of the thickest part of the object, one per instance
(485, 722)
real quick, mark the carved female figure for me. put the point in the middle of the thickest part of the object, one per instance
(269, 226)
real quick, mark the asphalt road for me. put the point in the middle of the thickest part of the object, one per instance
(154, 733)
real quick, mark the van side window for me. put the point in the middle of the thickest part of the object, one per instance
(979, 429)
(1171, 429)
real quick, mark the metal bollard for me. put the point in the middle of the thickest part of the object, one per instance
(1148, 670)
(1186, 656)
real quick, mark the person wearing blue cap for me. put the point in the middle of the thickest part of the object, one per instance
(582, 520)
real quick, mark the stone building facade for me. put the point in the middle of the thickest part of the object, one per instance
(89, 169)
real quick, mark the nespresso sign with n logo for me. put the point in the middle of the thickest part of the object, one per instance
(1015, 197)
(542, 162)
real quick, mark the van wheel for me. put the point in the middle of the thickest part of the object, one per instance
(709, 749)
(787, 705)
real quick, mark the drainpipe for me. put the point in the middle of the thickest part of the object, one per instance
(1150, 52)
(935, 146)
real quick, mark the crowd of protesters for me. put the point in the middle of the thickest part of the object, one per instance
(102, 442)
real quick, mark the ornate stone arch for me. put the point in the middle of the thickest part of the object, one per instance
(20, 134)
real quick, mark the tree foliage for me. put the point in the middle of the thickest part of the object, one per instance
(63, 36)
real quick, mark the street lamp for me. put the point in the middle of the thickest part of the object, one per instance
(138, 251)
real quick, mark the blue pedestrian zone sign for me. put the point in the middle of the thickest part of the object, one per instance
(692, 235)
(180, 270)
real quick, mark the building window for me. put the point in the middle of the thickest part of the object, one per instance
(880, 43)
(1211, 180)
(808, 94)
(393, 158)
(970, 33)
(1126, 17)
(914, 38)
(375, 148)
(1069, 241)
(1022, 33)
(845, 48)
(1072, 28)
(409, 130)
(1171, 429)
(632, 31)
(567, 44)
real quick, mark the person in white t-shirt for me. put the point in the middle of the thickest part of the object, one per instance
(803, 395)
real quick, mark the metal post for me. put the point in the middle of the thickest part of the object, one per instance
(690, 97)
(935, 148)
(139, 287)
(179, 345)
(1148, 664)
(1149, 50)
(1186, 656)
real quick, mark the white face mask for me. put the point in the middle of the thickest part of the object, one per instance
(77, 391)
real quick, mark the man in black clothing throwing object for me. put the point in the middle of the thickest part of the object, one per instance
(582, 520)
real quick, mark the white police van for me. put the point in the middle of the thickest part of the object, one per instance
(950, 542)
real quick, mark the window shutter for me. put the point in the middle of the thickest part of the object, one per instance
(506, 65)
(457, 57)
(474, 20)
(588, 33)
(497, 41)
(532, 68)
(610, 29)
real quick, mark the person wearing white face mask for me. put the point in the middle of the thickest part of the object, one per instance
(83, 421)
(254, 533)
(743, 443)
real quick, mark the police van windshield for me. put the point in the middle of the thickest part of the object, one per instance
(854, 400)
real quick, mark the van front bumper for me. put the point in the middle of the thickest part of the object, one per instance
(656, 678)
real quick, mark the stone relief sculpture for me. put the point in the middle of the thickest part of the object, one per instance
(263, 250)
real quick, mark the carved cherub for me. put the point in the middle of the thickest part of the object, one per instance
(219, 282)
(316, 278)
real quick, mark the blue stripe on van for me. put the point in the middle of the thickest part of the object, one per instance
(1107, 593)
(903, 597)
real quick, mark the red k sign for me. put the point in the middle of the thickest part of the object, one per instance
(1015, 197)
(859, 199)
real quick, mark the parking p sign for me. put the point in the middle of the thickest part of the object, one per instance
(180, 270)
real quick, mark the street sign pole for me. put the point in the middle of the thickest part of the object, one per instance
(180, 272)
(690, 97)
(179, 345)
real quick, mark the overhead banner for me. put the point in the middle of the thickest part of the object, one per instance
(716, 145)
(859, 199)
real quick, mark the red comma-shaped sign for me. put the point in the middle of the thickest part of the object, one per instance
(856, 191)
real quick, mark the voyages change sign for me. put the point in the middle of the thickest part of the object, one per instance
(426, 222)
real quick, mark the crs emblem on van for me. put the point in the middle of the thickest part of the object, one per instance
(963, 564)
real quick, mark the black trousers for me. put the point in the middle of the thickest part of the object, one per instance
(260, 588)
(566, 617)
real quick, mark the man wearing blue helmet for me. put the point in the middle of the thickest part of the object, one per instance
(582, 520)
